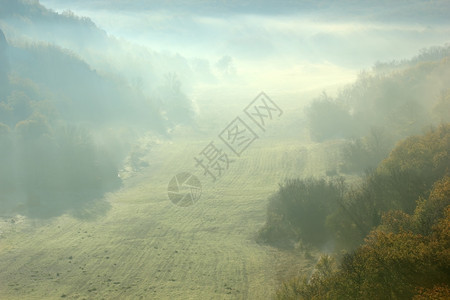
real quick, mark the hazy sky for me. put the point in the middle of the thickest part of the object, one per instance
(290, 45)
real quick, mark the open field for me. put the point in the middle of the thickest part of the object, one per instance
(144, 247)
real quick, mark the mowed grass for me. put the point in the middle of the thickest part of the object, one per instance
(144, 247)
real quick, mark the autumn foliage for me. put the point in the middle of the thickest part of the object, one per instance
(407, 255)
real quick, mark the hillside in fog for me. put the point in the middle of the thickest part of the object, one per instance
(254, 149)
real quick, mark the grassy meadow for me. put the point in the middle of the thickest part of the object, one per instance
(145, 247)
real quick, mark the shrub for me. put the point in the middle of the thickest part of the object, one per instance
(362, 154)
(299, 210)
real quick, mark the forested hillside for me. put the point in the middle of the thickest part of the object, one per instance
(61, 146)
(384, 236)
(405, 255)
(251, 149)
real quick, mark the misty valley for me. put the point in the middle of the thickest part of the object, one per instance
(224, 149)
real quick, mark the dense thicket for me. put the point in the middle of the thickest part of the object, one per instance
(395, 227)
(406, 257)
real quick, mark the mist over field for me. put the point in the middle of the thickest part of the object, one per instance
(135, 161)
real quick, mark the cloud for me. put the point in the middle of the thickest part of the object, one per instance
(326, 42)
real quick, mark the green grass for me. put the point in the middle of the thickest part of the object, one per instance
(144, 247)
